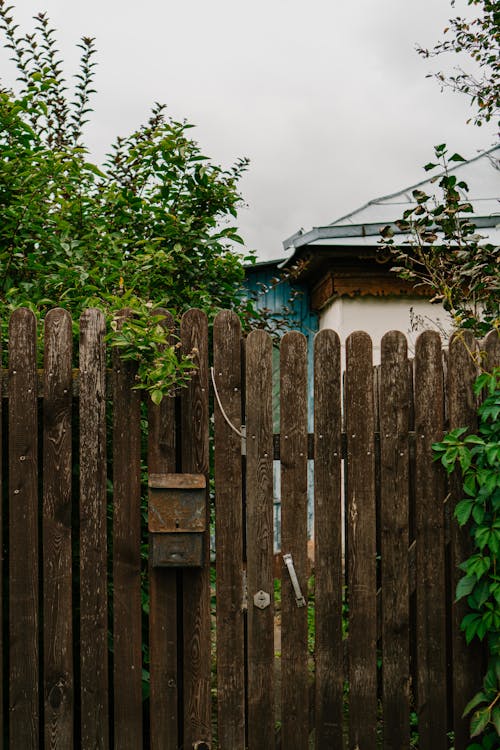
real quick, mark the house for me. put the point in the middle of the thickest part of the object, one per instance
(348, 274)
(344, 279)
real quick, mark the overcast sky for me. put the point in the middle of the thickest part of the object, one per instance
(328, 99)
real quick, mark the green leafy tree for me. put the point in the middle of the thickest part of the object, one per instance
(151, 227)
(477, 39)
(445, 252)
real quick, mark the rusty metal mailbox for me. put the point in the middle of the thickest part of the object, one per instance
(177, 520)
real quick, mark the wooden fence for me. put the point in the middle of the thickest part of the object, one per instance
(100, 650)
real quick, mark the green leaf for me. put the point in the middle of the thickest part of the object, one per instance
(495, 718)
(156, 397)
(480, 721)
(475, 701)
(463, 511)
(465, 586)
(456, 157)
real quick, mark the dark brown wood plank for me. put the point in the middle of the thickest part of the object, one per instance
(462, 412)
(394, 411)
(429, 521)
(196, 582)
(259, 504)
(329, 579)
(163, 697)
(361, 534)
(127, 613)
(294, 650)
(93, 545)
(23, 533)
(492, 350)
(57, 506)
(2, 609)
(229, 534)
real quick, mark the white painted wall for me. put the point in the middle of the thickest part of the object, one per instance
(377, 315)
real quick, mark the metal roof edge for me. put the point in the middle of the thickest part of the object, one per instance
(375, 201)
(369, 229)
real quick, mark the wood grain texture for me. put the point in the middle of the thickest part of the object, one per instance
(429, 521)
(492, 350)
(3, 724)
(467, 661)
(164, 688)
(361, 535)
(127, 611)
(229, 534)
(294, 648)
(196, 582)
(57, 511)
(93, 544)
(329, 579)
(23, 533)
(259, 503)
(394, 412)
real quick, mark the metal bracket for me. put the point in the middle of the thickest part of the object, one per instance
(301, 602)
(262, 599)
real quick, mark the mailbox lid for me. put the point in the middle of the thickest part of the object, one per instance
(177, 481)
(176, 550)
(177, 503)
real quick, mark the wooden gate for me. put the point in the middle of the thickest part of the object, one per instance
(100, 648)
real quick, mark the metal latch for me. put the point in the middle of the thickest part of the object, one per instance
(301, 602)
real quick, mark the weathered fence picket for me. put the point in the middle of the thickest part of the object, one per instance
(2, 719)
(93, 539)
(462, 410)
(163, 611)
(23, 533)
(229, 532)
(328, 560)
(259, 507)
(196, 582)
(293, 458)
(57, 533)
(394, 414)
(361, 541)
(127, 609)
(386, 546)
(430, 519)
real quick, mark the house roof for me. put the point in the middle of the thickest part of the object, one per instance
(361, 228)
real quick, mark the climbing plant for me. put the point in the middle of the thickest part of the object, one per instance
(478, 456)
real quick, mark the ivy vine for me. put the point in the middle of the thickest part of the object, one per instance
(478, 456)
